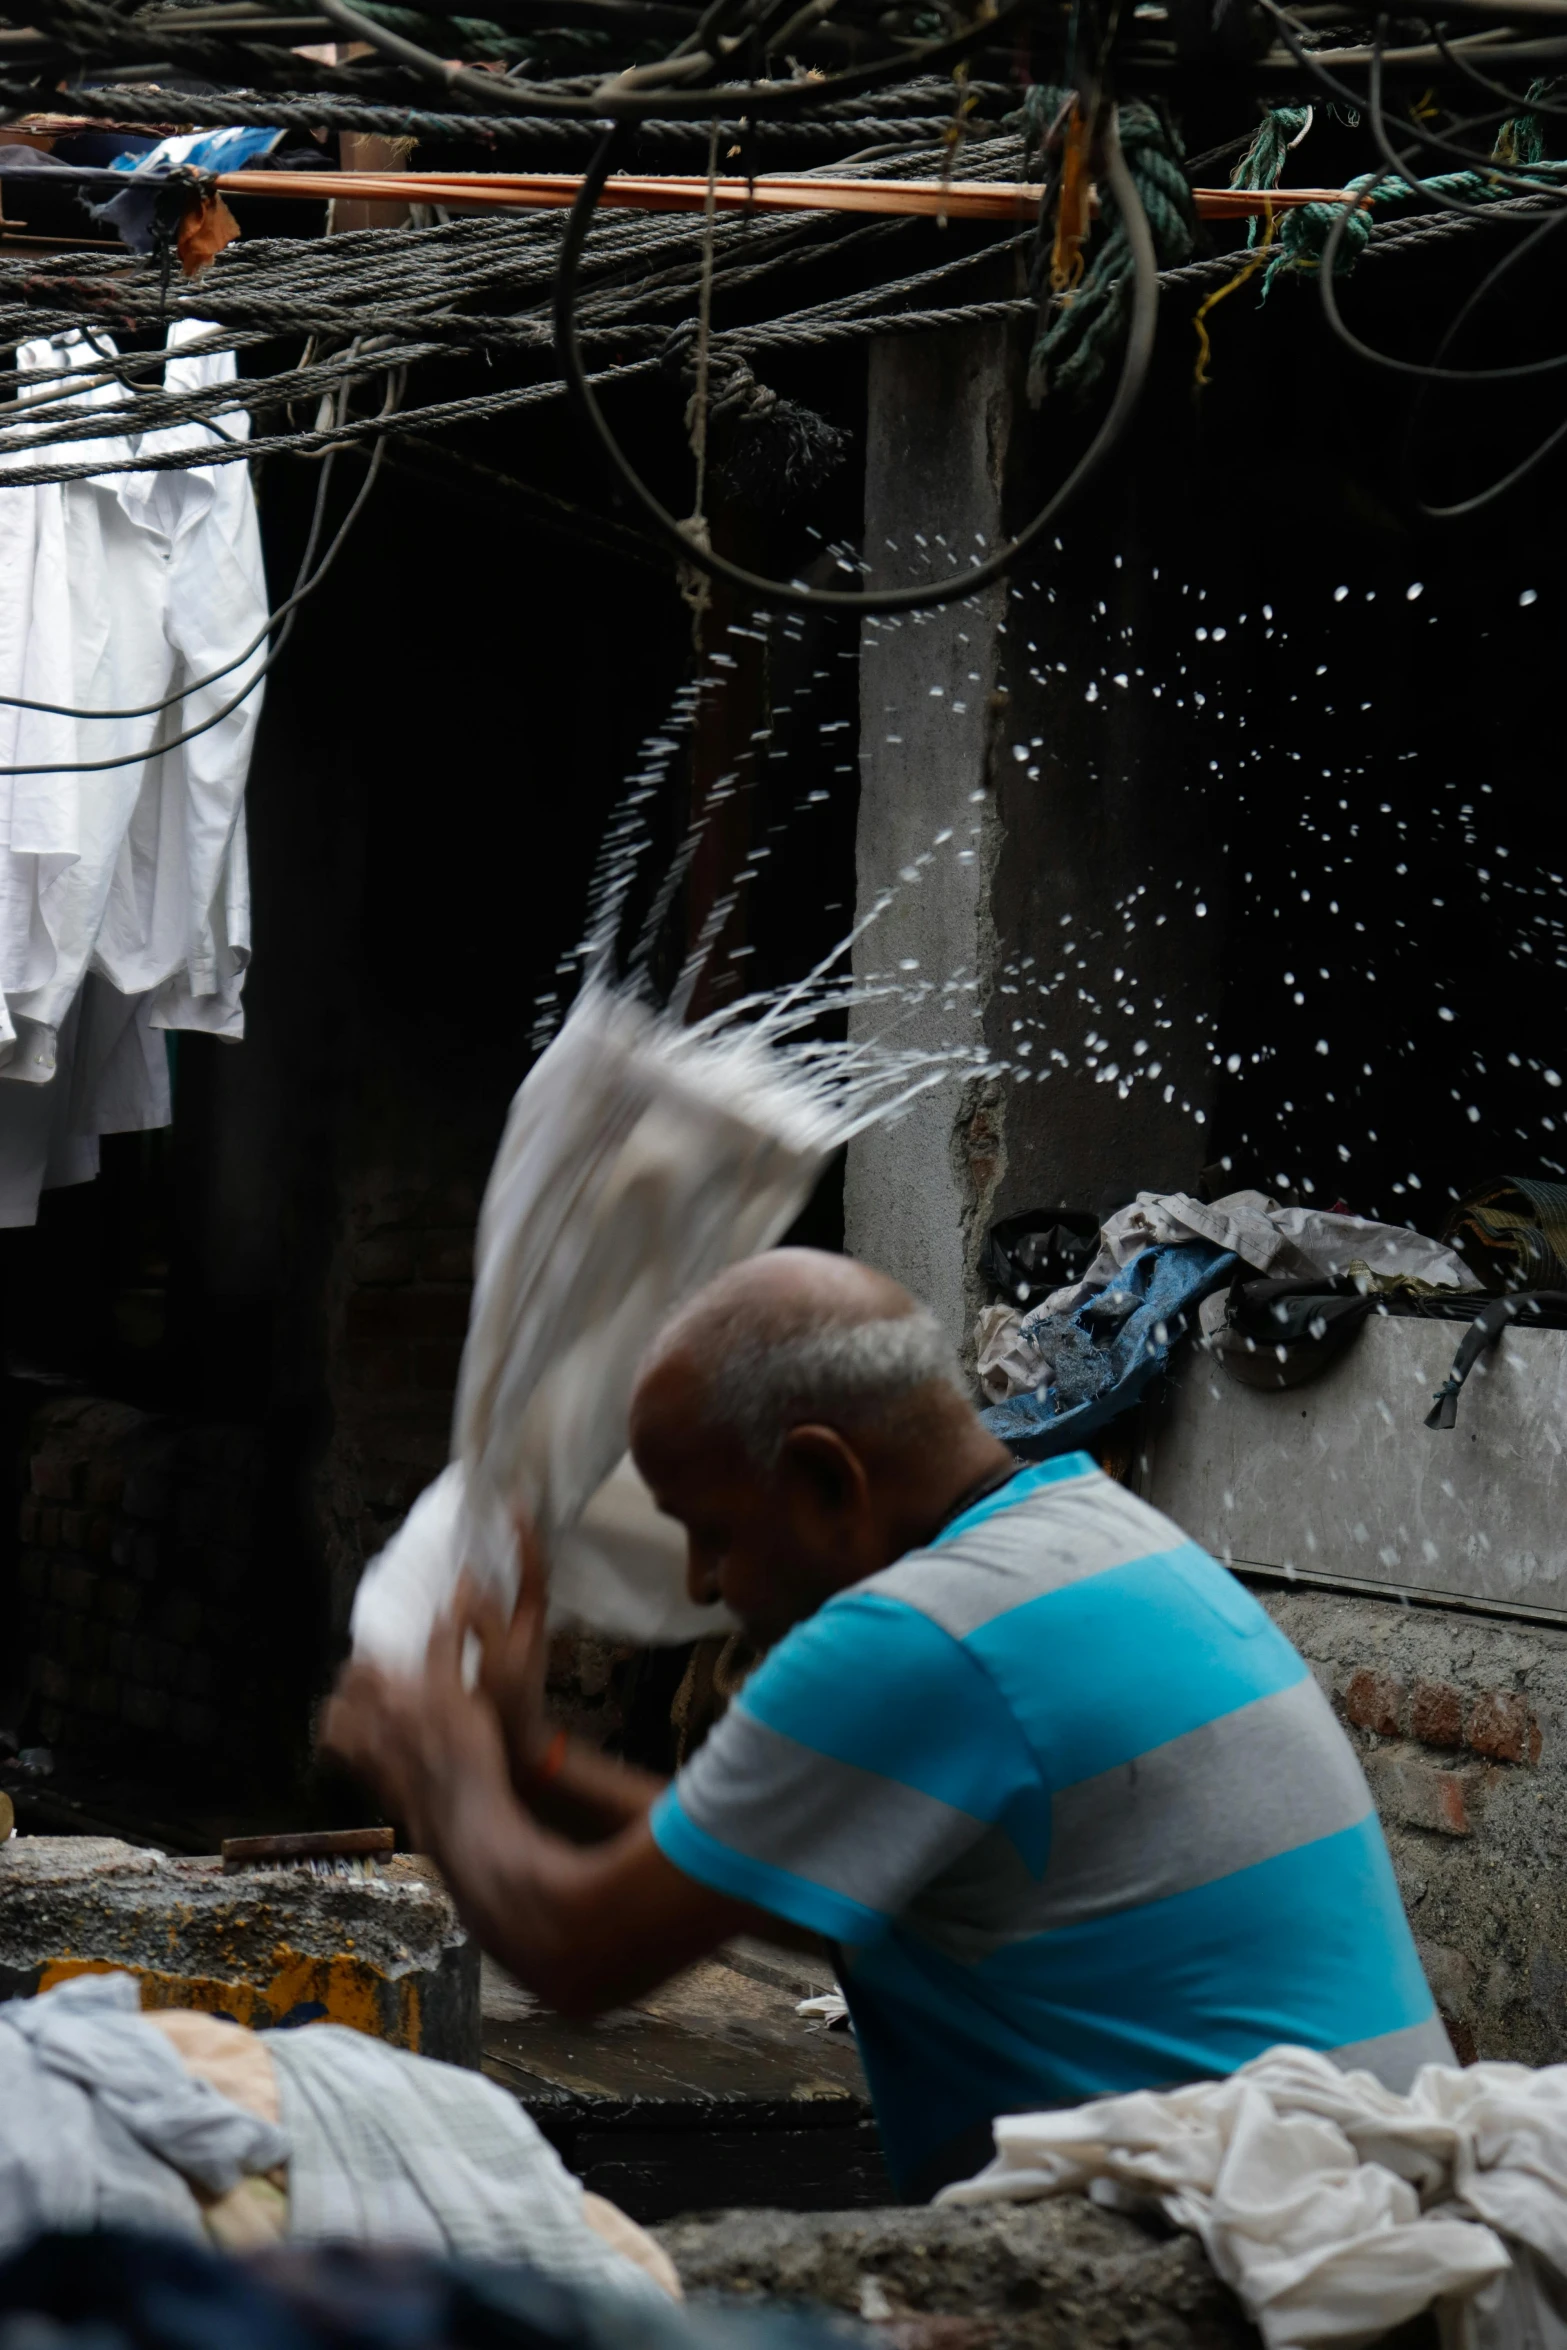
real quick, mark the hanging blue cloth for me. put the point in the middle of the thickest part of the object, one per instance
(1106, 1352)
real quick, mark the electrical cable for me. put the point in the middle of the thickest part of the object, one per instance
(1360, 100)
(1463, 508)
(1421, 370)
(1134, 370)
(303, 587)
(1511, 98)
(607, 103)
(156, 749)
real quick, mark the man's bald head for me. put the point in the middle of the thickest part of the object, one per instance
(805, 1420)
(794, 1336)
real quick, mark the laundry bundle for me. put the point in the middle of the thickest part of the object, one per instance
(639, 1159)
(183, 2124)
(124, 891)
(1334, 2208)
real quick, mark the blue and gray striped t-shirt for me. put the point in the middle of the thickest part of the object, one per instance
(1075, 1810)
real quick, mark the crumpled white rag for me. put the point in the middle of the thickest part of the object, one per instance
(1332, 2207)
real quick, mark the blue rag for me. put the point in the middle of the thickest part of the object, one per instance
(1104, 1353)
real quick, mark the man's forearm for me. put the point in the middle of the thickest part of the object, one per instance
(588, 1795)
(585, 1929)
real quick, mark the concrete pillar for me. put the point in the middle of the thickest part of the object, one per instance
(1078, 900)
(939, 414)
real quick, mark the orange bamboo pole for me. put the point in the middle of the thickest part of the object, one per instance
(776, 192)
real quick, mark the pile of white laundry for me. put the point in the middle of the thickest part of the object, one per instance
(1333, 2208)
(124, 891)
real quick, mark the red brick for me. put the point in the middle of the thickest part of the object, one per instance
(27, 1521)
(1499, 1726)
(54, 1479)
(1374, 1701)
(385, 1260)
(49, 1678)
(105, 1486)
(1420, 1794)
(378, 1370)
(1436, 1714)
(49, 1528)
(382, 1317)
(436, 1366)
(74, 1527)
(446, 1256)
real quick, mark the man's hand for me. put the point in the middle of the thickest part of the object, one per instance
(585, 1928)
(514, 1655)
(421, 1740)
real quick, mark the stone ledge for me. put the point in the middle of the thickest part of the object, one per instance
(1061, 2275)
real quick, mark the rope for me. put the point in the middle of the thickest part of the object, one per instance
(1084, 327)
(1262, 166)
(1304, 232)
(619, 322)
(1521, 139)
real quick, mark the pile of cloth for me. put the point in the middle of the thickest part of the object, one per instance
(124, 889)
(1059, 1373)
(185, 2124)
(1333, 2208)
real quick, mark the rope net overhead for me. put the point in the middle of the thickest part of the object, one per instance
(1084, 100)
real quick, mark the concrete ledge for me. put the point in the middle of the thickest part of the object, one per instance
(1029, 2276)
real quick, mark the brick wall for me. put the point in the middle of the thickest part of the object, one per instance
(139, 1581)
(396, 1320)
(399, 1315)
(1461, 1724)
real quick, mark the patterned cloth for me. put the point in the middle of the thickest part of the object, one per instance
(388, 2148)
(101, 2126)
(1077, 1810)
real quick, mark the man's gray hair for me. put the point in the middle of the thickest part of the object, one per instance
(846, 1375)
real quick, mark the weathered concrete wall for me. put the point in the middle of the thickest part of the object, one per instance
(1032, 2276)
(1043, 826)
(1462, 1726)
(939, 417)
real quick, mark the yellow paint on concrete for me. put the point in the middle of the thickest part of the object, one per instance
(338, 1990)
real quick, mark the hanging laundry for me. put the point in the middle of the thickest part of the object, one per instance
(118, 592)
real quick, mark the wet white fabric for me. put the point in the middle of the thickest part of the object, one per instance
(101, 2126)
(1334, 2208)
(114, 591)
(638, 1160)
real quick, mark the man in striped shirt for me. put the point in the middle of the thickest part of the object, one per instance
(1072, 1811)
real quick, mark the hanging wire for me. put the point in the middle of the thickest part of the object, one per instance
(290, 607)
(622, 101)
(793, 593)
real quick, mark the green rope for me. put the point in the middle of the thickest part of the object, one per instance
(1079, 332)
(1262, 165)
(1521, 138)
(1302, 233)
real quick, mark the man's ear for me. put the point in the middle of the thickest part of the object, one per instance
(828, 1470)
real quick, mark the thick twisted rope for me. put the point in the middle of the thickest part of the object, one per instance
(1303, 232)
(1082, 328)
